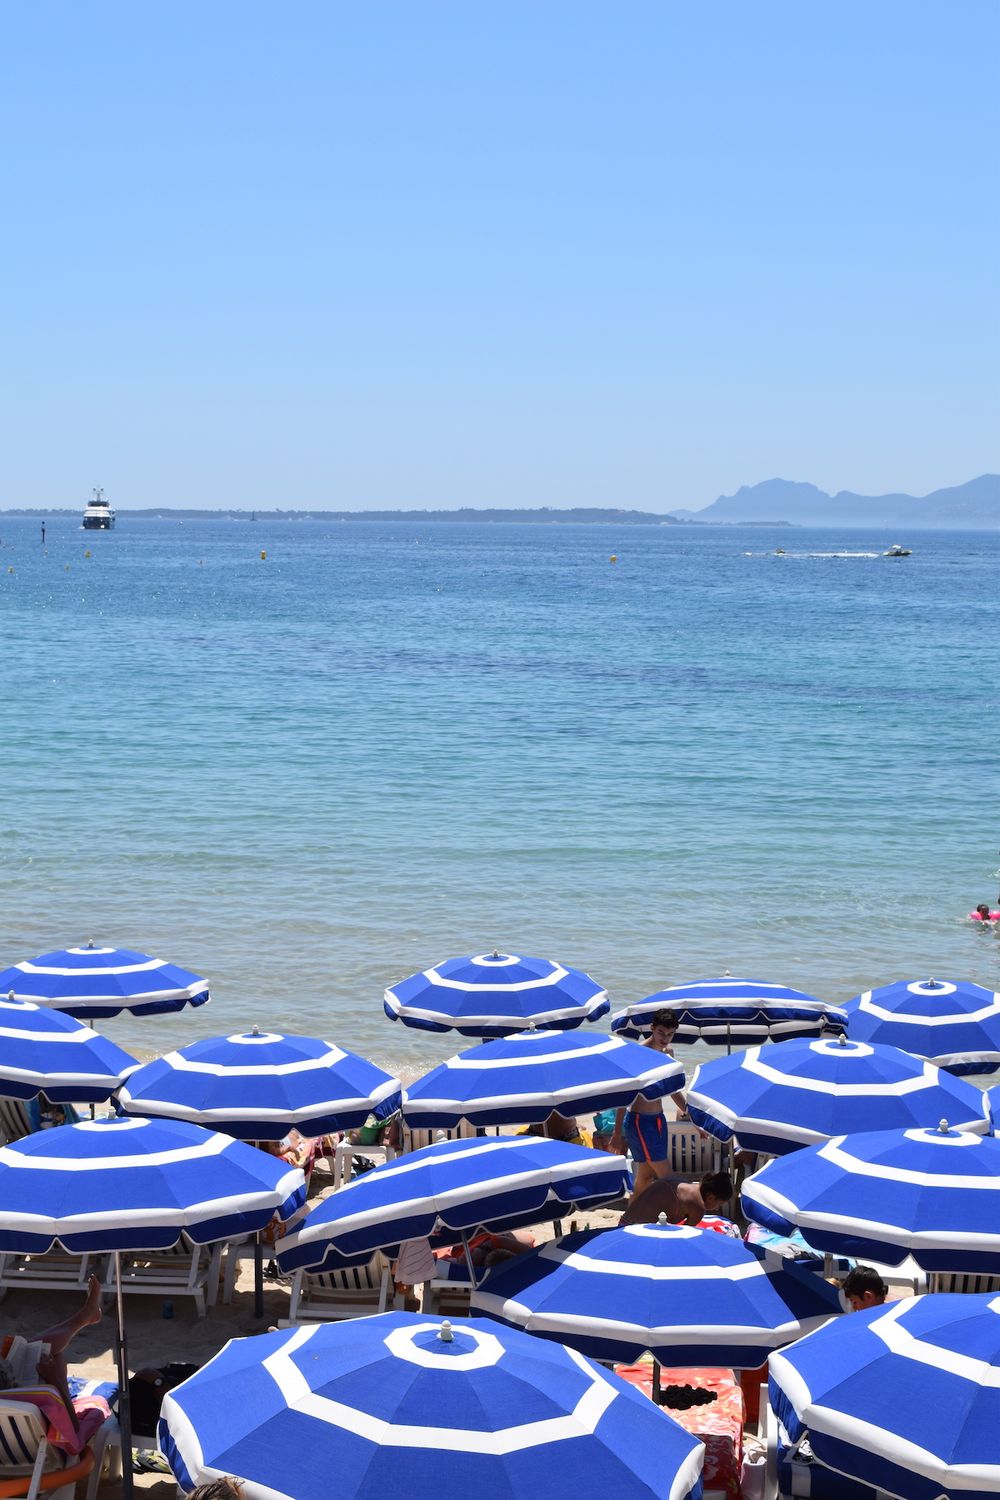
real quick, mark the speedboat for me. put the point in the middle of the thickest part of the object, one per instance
(897, 551)
(98, 515)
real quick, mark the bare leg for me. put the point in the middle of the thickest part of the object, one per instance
(52, 1366)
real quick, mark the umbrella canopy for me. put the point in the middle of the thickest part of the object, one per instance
(450, 1189)
(932, 1194)
(137, 1185)
(520, 1079)
(494, 994)
(686, 1296)
(993, 1107)
(776, 1099)
(259, 1085)
(373, 1406)
(905, 1397)
(44, 1051)
(954, 1024)
(728, 1011)
(90, 982)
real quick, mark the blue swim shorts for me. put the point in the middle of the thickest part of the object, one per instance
(646, 1136)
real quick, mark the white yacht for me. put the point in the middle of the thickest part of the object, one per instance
(98, 515)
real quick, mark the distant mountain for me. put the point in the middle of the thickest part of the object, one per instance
(975, 505)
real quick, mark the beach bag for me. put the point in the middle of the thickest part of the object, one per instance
(146, 1396)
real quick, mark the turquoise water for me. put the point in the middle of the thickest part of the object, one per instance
(391, 743)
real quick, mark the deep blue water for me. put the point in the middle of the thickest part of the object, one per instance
(391, 743)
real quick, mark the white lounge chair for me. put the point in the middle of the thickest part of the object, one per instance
(55, 1271)
(27, 1455)
(14, 1121)
(692, 1152)
(947, 1281)
(354, 1292)
(414, 1140)
(186, 1270)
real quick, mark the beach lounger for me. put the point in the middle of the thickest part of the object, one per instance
(414, 1140)
(187, 1270)
(14, 1120)
(30, 1465)
(947, 1281)
(355, 1292)
(55, 1271)
(692, 1152)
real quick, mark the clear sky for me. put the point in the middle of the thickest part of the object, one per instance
(409, 253)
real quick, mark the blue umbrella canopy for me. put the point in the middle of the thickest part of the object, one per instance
(372, 1406)
(126, 1184)
(728, 1011)
(952, 1023)
(450, 1189)
(494, 994)
(777, 1099)
(905, 1397)
(933, 1194)
(91, 982)
(520, 1079)
(686, 1296)
(260, 1085)
(45, 1051)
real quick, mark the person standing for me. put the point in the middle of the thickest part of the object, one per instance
(643, 1126)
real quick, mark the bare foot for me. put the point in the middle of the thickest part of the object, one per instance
(92, 1307)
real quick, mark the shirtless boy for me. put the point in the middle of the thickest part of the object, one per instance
(642, 1127)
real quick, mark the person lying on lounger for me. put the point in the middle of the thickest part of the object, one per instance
(681, 1202)
(43, 1360)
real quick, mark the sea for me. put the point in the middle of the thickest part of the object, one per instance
(306, 758)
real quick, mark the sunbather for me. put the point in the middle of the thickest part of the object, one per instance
(681, 1202)
(43, 1360)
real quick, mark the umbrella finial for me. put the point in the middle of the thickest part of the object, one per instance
(842, 1040)
(445, 1334)
(495, 953)
(255, 1030)
(90, 942)
(10, 994)
(661, 1218)
(943, 1126)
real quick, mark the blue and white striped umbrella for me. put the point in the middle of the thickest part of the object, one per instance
(776, 1099)
(952, 1023)
(737, 1012)
(258, 1086)
(686, 1296)
(520, 1079)
(43, 1051)
(90, 982)
(933, 1194)
(397, 1403)
(905, 1397)
(494, 994)
(126, 1184)
(450, 1189)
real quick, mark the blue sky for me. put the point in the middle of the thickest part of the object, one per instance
(496, 252)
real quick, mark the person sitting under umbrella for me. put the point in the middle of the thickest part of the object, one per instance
(863, 1287)
(679, 1202)
(28, 1363)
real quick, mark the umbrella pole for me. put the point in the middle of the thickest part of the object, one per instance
(468, 1259)
(258, 1276)
(124, 1406)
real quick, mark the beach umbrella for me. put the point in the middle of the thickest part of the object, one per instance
(732, 1012)
(43, 1051)
(933, 1194)
(952, 1023)
(905, 1397)
(776, 1099)
(494, 994)
(260, 1085)
(127, 1184)
(687, 1296)
(520, 1079)
(450, 1190)
(91, 982)
(374, 1406)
